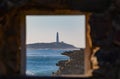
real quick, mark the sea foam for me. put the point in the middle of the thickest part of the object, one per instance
(29, 73)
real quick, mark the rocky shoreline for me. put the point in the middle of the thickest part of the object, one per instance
(73, 66)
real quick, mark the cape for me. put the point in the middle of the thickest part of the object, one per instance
(53, 45)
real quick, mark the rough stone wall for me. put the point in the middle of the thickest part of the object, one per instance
(9, 44)
(10, 40)
(105, 31)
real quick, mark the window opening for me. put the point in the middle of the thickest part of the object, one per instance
(50, 43)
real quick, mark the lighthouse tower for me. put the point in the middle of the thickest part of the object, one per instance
(57, 38)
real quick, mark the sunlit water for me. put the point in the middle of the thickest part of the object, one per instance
(42, 62)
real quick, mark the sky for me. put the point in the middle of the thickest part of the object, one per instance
(43, 29)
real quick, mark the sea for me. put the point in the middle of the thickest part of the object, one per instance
(42, 62)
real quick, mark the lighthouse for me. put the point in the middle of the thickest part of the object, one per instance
(57, 38)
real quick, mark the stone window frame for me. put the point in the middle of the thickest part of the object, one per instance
(87, 54)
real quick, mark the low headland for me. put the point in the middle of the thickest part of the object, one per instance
(52, 45)
(73, 66)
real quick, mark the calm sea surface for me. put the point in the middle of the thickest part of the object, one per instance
(41, 62)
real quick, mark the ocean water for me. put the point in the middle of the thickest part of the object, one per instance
(42, 62)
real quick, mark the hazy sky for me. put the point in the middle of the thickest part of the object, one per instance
(44, 28)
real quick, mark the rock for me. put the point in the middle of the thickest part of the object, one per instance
(73, 66)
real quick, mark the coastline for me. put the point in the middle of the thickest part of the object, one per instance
(73, 66)
(53, 48)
